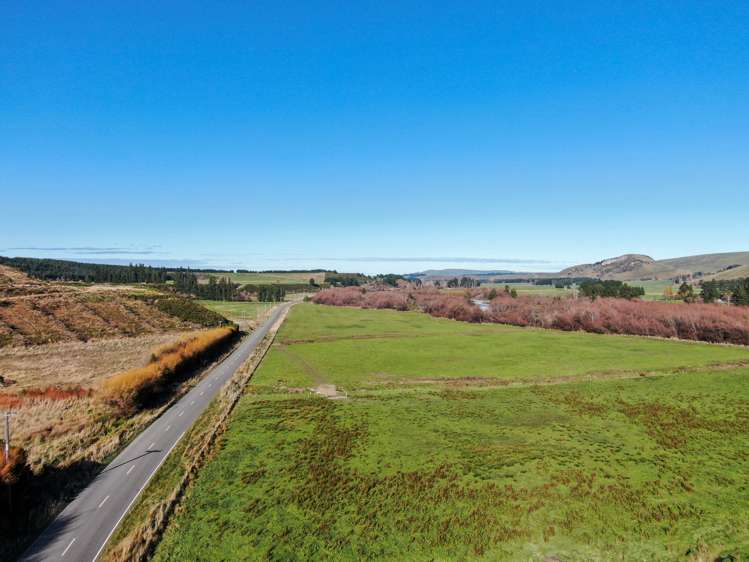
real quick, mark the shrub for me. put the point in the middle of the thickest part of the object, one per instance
(130, 388)
(12, 471)
(18, 399)
(703, 322)
(344, 296)
(189, 311)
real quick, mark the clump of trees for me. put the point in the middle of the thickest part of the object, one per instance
(464, 282)
(64, 270)
(735, 291)
(346, 279)
(686, 293)
(220, 290)
(271, 293)
(616, 289)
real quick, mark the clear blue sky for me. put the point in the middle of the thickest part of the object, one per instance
(522, 135)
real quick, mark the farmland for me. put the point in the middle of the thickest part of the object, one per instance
(530, 289)
(654, 290)
(485, 442)
(243, 313)
(270, 278)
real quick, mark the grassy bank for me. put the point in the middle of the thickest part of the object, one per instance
(427, 462)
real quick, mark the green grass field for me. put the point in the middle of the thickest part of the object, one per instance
(654, 290)
(530, 289)
(271, 278)
(448, 448)
(237, 311)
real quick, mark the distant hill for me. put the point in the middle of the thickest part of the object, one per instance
(634, 267)
(439, 273)
(610, 268)
(629, 267)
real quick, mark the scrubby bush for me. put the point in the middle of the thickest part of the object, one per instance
(188, 310)
(18, 399)
(343, 296)
(11, 471)
(703, 322)
(131, 388)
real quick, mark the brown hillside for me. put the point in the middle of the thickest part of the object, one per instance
(37, 312)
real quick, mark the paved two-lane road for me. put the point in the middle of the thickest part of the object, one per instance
(80, 532)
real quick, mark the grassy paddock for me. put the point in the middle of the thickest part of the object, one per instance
(421, 463)
(531, 289)
(237, 311)
(361, 348)
(270, 278)
(654, 290)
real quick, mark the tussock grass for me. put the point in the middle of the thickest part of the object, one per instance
(128, 388)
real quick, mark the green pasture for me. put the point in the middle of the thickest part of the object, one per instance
(355, 348)
(270, 278)
(531, 289)
(237, 311)
(432, 458)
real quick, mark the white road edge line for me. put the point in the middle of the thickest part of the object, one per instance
(135, 497)
(129, 470)
(64, 552)
(103, 502)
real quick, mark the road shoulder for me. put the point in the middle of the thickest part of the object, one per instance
(141, 529)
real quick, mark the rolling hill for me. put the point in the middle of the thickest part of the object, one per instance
(628, 267)
(633, 267)
(36, 312)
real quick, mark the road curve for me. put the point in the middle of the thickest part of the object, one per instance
(80, 532)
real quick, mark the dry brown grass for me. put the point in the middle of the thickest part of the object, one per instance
(60, 421)
(124, 388)
(79, 363)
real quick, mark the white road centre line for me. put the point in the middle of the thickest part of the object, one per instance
(152, 445)
(155, 470)
(202, 393)
(129, 470)
(168, 428)
(64, 552)
(192, 403)
(103, 502)
(180, 414)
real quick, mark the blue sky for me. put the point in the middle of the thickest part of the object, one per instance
(373, 136)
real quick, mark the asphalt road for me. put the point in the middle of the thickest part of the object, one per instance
(80, 532)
